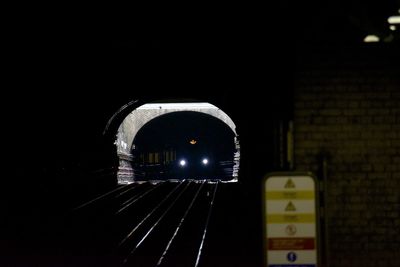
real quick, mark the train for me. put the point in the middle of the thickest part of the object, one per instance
(190, 160)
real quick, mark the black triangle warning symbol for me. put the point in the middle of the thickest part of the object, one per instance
(290, 207)
(290, 184)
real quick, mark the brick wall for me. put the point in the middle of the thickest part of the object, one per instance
(352, 116)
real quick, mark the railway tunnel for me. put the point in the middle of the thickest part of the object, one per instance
(306, 92)
(162, 208)
(171, 216)
(177, 141)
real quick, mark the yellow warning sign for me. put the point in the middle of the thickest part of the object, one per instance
(290, 207)
(299, 195)
(290, 184)
(292, 218)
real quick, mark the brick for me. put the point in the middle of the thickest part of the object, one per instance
(392, 199)
(366, 167)
(303, 120)
(341, 104)
(395, 110)
(392, 167)
(354, 104)
(396, 160)
(376, 111)
(369, 134)
(328, 128)
(304, 128)
(354, 112)
(381, 127)
(365, 120)
(317, 136)
(392, 215)
(379, 143)
(318, 120)
(301, 136)
(377, 104)
(365, 104)
(336, 120)
(384, 119)
(391, 135)
(355, 127)
(395, 143)
(305, 112)
(331, 112)
(378, 168)
(330, 104)
(306, 143)
(356, 118)
(299, 104)
(354, 96)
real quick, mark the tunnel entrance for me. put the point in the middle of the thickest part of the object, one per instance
(177, 141)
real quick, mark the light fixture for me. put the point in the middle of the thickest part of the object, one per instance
(371, 39)
(394, 20)
(205, 161)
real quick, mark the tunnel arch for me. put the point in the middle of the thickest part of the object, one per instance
(143, 114)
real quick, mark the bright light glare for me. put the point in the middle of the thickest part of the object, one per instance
(182, 162)
(394, 20)
(182, 106)
(371, 38)
(205, 161)
(392, 27)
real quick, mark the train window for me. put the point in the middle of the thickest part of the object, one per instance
(176, 141)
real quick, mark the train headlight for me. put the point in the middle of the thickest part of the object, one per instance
(182, 162)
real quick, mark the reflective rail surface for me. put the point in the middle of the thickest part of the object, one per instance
(185, 223)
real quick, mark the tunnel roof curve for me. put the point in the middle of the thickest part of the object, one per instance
(135, 120)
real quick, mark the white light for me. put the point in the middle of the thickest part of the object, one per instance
(205, 161)
(181, 106)
(394, 20)
(182, 162)
(371, 38)
(392, 27)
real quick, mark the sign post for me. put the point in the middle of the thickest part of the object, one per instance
(290, 212)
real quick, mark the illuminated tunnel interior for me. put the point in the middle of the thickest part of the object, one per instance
(184, 145)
